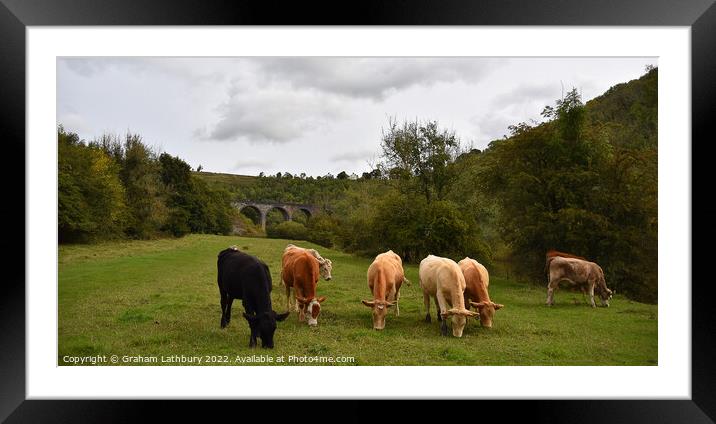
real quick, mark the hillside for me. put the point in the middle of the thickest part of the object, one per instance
(229, 182)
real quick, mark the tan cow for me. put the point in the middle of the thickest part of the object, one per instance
(442, 279)
(385, 276)
(476, 282)
(325, 265)
(578, 272)
(300, 271)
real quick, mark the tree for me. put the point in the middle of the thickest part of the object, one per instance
(418, 155)
(90, 195)
(342, 175)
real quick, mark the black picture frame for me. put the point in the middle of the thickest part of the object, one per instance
(16, 15)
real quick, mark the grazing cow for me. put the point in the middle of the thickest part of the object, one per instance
(300, 271)
(579, 272)
(476, 282)
(325, 265)
(385, 276)
(554, 253)
(245, 277)
(442, 279)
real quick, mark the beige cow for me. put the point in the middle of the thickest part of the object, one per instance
(442, 279)
(385, 276)
(578, 272)
(477, 280)
(325, 266)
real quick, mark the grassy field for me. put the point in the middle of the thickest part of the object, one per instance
(160, 298)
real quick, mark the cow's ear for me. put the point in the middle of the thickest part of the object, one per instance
(249, 318)
(498, 306)
(478, 305)
(368, 303)
(281, 317)
(321, 299)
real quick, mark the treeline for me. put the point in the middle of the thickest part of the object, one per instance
(111, 188)
(583, 181)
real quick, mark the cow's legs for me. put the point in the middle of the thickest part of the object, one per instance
(288, 297)
(550, 292)
(229, 302)
(591, 296)
(396, 297)
(426, 301)
(252, 339)
(437, 307)
(442, 306)
(224, 322)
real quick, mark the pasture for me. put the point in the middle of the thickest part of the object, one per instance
(161, 298)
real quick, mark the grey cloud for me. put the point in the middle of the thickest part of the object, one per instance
(361, 155)
(187, 69)
(492, 126)
(250, 163)
(531, 93)
(373, 78)
(276, 116)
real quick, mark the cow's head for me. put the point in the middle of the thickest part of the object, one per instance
(310, 308)
(605, 295)
(380, 309)
(264, 325)
(325, 266)
(487, 312)
(459, 319)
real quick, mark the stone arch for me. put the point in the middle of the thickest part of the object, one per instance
(259, 218)
(285, 212)
(301, 214)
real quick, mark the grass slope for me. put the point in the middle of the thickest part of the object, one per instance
(161, 298)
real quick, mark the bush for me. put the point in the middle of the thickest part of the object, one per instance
(288, 230)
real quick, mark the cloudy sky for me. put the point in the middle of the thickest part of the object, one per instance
(313, 115)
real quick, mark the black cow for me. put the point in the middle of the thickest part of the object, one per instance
(245, 277)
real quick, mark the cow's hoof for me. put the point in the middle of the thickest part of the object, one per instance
(427, 318)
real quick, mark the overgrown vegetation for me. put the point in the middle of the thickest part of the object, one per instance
(110, 189)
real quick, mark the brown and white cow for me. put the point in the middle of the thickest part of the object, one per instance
(477, 280)
(385, 276)
(578, 272)
(442, 279)
(300, 271)
(325, 265)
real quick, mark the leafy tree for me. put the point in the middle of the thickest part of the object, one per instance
(90, 195)
(418, 154)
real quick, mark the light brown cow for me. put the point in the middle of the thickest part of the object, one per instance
(554, 253)
(577, 271)
(299, 270)
(325, 265)
(442, 279)
(385, 276)
(476, 282)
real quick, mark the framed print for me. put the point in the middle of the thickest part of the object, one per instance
(247, 92)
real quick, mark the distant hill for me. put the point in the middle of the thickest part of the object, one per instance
(230, 182)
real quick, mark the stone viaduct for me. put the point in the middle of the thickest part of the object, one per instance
(287, 209)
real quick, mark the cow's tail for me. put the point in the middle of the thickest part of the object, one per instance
(406, 281)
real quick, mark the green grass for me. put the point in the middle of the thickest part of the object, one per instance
(160, 298)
